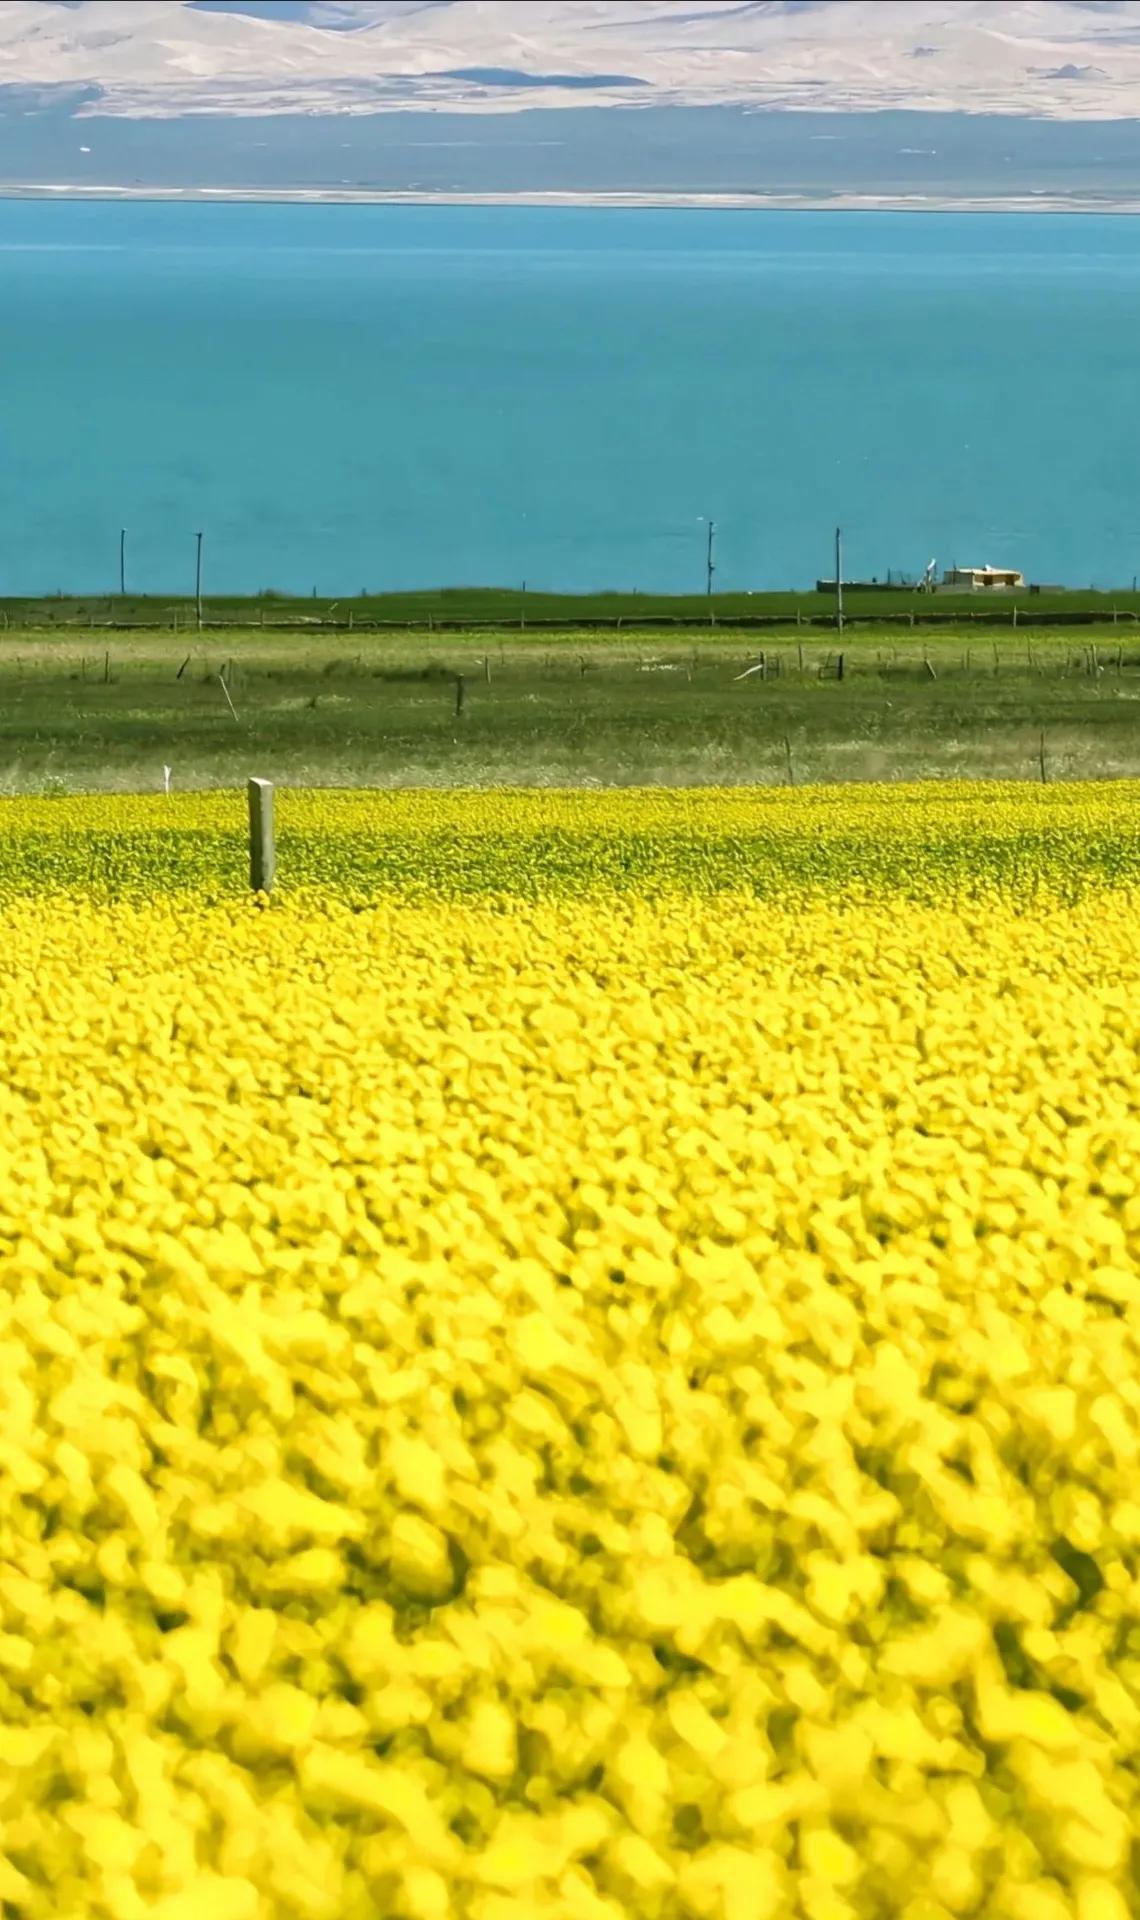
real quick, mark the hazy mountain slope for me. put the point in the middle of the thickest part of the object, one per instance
(1057, 59)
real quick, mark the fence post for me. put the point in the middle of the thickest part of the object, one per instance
(262, 851)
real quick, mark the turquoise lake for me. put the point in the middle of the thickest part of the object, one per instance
(372, 397)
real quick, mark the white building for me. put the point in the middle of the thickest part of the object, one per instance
(987, 577)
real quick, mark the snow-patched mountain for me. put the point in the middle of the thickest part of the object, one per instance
(1053, 59)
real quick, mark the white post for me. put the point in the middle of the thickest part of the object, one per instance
(262, 852)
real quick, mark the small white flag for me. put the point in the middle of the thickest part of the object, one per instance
(166, 772)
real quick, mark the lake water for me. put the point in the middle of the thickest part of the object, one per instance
(373, 397)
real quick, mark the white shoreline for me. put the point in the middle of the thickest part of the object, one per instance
(761, 201)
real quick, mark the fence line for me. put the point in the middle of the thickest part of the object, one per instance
(600, 623)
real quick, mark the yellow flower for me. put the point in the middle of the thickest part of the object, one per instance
(580, 1360)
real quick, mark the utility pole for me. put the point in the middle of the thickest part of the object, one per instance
(709, 568)
(198, 584)
(123, 561)
(839, 579)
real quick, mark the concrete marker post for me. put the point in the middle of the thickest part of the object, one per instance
(262, 847)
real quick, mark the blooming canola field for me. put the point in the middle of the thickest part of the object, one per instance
(580, 1360)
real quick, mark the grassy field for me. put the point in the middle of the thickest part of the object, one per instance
(108, 712)
(460, 607)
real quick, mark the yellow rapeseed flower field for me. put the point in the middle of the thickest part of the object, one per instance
(582, 1361)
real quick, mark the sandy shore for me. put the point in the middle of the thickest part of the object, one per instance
(762, 201)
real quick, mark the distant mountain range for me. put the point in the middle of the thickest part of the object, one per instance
(869, 101)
